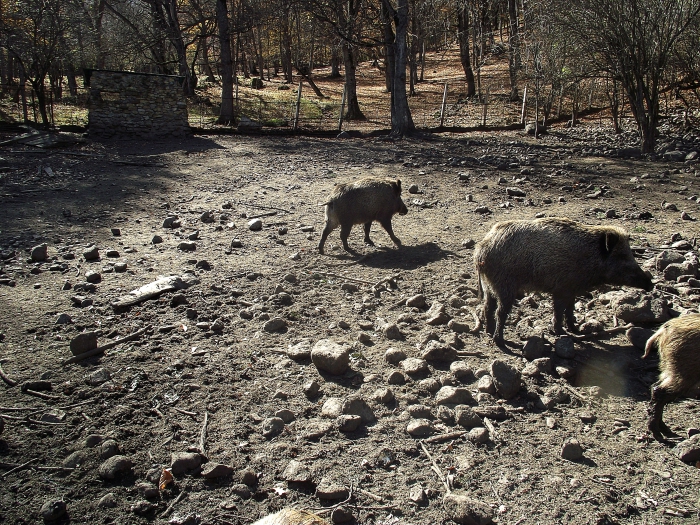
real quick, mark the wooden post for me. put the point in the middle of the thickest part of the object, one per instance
(486, 105)
(296, 112)
(442, 108)
(522, 111)
(342, 109)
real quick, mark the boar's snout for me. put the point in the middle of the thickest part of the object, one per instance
(402, 208)
(645, 282)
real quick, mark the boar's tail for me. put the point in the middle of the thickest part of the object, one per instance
(651, 342)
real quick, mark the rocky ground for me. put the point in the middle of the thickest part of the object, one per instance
(206, 406)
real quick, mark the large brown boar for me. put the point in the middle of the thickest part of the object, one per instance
(678, 342)
(362, 202)
(554, 255)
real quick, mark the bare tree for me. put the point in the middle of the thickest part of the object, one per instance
(463, 39)
(401, 119)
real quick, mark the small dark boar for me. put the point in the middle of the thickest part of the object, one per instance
(678, 342)
(361, 202)
(554, 255)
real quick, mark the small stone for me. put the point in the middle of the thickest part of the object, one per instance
(255, 225)
(506, 379)
(348, 422)
(486, 385)
(216, 470)
(383, 395)
(418, 496)
(413, 188)
(515, 192)
(272, 427)
(466, 511)
(114, 467)
(171, 222)
(156, 239)
(431, 385)
(98, 377)
(64, 318)
(534, 348)
(93, 277)
(414, 366)
(341, 514)
(108, 501)
(450, 395)
(392, 332)
(417, 301)
(639, 336)
(296, 472)
(116, 232)
(83, 342)
(76, 459)
(458, 327)
(248, 477)
(394, 356)
(40, 253)
(329, 356)
(436, 315)
(328, 489)
(461, 371)
(300, 351)
(419, 428)
(436, 351)
(183, 462)
(91, 253)
(108, 448)
(688, 450)
(395, 377)
(311, 389)
(120, 267)
(478, 435)
(466, 417)
(112, 254)
(187, 246)
(275, 324)
(571, 450)
(53, 510)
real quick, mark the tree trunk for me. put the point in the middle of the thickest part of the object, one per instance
(389, 37)
(335, 63)
(72, 83)
(514, 50)
(38, 85)
(350, 63)
(463, 37)
(226, 113)
(206, 66)
(286, 43)
(401, 119)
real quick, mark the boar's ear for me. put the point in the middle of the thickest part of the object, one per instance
(608, 241)
(397, 186)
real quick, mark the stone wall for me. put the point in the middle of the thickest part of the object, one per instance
(136, 105)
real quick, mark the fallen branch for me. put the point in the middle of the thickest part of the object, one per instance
(338, 276)
(19, 467)
(186, 412)
(171, 507)
(440, 438)
(101, 349)
(35, 467)
(20, 409)
(435, 468)
(603, 333)
(268, 214)
(5, 378)
(253, 205)
(40, 394)
(145, 164)
(203, 433)
(367, 493)
(468, 353)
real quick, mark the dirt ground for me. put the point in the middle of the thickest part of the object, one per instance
(211, 370)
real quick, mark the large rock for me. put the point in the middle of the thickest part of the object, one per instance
(83, 342)
(328, 356)
(506, 378)
(466, 511)
(114, 467)
(689, 449)
(182, 462)
(640, 308)
(441, 352)
(40, 253)
(450, 395)
(358, 407)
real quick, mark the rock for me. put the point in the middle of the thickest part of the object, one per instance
(63, 318)
(417, 301)
(395, 377)
(328, 489)
(40, 253)
(461, 371)
(414, 366)
(515, 192)
(300, 351)
(383, 395)
(171, 221)
(571, 450)
(183, 462)
(108, 501)
(340, 514)
(75, 459)
(216, 470)
(450, 395)
(83, 342)
(478, 435)
(255, 225)
(394, 356)
(534, 348)
(673, 271)
(486, 385)
(114, 467)
(248, 477)
(120, 267)
(98, 377)
(329, 356)
(156, 239)
(391, 331)
(108, 449)
(359, 407)
(93, 277)
(564, 348)
(349, 287)
(419, 428)
(506, 379)
(436, 315)
(639, 336)
(348, 422)
(285, 415)
(187, 246)
(332, 407)
(466, 417)
(688, 450)
(440, 352)
(272, 426)
(466, 511)
(275, 324)
(458, 327)
(311, 389)
(296, 472)
(91, 253)
(53, 510)
(639, 309)
(413, 188)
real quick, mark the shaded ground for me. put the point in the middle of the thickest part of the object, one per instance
(206, 350)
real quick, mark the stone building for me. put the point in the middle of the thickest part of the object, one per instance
(129, 104)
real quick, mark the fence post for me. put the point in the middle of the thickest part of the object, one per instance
(486, 105)
(296, 111)
(522, 111)
(442, 108)
(342, 109)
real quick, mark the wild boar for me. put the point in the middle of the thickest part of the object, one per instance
(362, 202)
(678, 343)
(554, 255)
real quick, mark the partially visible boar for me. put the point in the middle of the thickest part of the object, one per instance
(678, 342)
(554, 255)
(362, 202)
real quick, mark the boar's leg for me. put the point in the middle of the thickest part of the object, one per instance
(660, 396)
(386, 224)
(569, 315)
(368, 241)
(563, 305)
(344, 234)
(324, 236)
(505, 304)
(489, 312)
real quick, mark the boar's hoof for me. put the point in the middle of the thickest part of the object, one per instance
(369, 242)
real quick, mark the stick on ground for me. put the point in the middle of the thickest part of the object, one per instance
(101, 349)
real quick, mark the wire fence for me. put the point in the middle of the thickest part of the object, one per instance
(434, 105)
